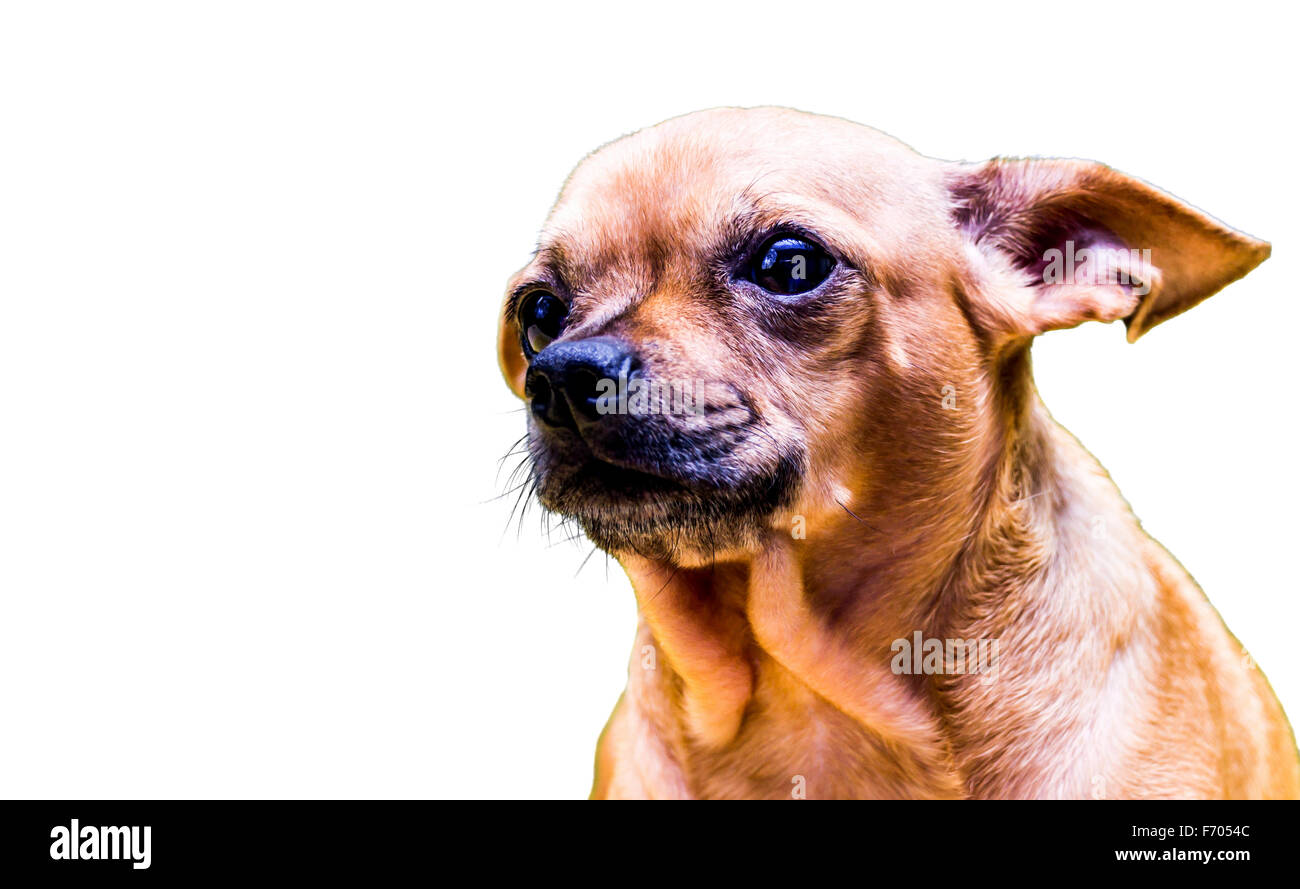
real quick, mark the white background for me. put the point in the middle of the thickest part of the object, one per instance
(250, 262)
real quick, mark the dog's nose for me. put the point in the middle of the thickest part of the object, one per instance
(564, 382)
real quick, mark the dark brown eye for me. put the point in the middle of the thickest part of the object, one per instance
(541, 318)
(789, 265)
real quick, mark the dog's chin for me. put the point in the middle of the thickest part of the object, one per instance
(688, 515)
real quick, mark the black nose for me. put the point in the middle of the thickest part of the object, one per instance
(564, 381)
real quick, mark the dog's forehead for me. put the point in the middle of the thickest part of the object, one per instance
(686, 181)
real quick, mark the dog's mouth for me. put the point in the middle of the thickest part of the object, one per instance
(669, 497)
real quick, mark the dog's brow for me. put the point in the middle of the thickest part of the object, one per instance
(553, 271)
(751, 221)
(748, 221)
(557, 265)
(737, 232)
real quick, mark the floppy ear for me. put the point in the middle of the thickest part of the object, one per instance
(510, 351)
(1094, 244)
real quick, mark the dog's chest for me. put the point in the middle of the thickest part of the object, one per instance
(794, 745)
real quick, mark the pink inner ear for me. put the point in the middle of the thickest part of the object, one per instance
(1090, 275)
(1026, 209)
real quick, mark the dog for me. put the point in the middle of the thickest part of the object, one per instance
(856, 470)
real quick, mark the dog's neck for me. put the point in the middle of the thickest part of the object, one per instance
(828, 607)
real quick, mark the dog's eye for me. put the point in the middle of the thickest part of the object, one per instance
(541, 318)
(788, 266)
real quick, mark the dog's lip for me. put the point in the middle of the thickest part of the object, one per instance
(585, 458)
(584, 470)
(628, 473)
(588, 457)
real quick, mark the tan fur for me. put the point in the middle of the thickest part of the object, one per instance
(979, 519)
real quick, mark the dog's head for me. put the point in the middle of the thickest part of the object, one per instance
(740, 315)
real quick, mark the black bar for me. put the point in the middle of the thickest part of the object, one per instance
(377, 839)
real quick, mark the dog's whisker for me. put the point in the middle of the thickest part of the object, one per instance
(585, 560)
(845, 507)
(666, 582)
(515, 449)
(523, 512)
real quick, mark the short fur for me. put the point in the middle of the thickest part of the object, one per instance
(893, 417)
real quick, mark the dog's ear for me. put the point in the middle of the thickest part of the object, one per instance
(1094, 244)
(510, 350)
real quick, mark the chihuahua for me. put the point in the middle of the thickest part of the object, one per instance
(778, 365)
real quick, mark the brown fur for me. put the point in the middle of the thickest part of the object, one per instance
(769, 655)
